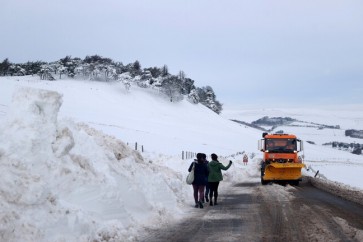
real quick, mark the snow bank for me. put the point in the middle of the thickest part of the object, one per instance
(238, 172)
(63, 181)
(354, 233)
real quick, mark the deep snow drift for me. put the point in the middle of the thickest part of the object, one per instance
(63, 181)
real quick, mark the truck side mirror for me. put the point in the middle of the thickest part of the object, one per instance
(261, 145)
(301, 145)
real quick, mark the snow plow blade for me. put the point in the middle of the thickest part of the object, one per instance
(283, 171)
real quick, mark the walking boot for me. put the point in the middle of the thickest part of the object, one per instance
(200, 204)
(215, 201)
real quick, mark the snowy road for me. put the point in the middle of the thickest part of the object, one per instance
(251, 212)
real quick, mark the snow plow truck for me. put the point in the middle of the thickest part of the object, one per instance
(281, 162)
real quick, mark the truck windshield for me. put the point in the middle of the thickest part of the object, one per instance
(281, 145)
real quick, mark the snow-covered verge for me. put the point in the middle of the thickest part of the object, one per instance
(63, 181)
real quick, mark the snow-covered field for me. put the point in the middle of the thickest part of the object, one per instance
(70, 172)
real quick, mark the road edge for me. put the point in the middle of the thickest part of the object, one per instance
(338, 189)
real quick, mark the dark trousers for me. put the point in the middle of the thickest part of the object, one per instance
(207, 190)
(198, 190)
(213, 190)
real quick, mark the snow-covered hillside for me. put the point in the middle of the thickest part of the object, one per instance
(142, 116)
(70, 172)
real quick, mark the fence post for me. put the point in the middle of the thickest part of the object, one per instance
(142, 148)
(136, 146)
(316, 173)
(182, 155)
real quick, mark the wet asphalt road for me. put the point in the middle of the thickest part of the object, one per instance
(252, 212)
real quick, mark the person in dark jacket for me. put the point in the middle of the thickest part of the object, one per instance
(215, 176)
(200, 179)
(206, 195)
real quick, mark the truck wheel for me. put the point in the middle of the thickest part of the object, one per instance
(263, 182)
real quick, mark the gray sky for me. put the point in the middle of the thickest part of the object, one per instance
(262, 51)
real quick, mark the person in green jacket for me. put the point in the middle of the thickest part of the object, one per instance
(215, 176)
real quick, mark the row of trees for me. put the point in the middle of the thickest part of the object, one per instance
(354, 148)
(354, 133)
(98, 68)
(10, 69)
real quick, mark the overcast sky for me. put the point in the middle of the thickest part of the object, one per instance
(261, 51)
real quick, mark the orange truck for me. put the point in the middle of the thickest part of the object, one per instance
(281, 162)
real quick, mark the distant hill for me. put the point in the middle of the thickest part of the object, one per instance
(273, 121)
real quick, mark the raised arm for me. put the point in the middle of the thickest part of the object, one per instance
(225, 167)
